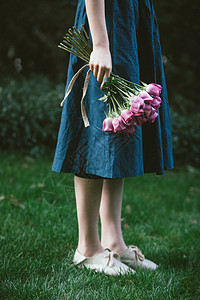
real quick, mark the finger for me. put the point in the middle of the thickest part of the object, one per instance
(101, 87)
(91, 68)
(101, 74)
(95, 70)
(106, 74)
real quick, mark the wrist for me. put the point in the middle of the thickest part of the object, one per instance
(101, 45)
(101, 42)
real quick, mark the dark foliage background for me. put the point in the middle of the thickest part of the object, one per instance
(33, 70)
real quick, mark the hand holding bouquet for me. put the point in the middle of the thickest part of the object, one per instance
(129, 104)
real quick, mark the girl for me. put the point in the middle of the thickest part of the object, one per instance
(125, 39)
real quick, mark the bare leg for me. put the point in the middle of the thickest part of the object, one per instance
(88, 197)
(110, 213)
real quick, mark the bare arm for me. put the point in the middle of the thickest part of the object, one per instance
(100, 59)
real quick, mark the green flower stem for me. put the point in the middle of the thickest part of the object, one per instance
(113, 102)
(115, 99)
(120, 91)
(68, 40)
(123, 84)
(78, 50)
(73, 52)
(84, 39)
(109, 106)
(70, 46)
(132, 83)
(67, 43)
(127, 87)
(76, 41)
(87, 37)
(123, 98)
(76, 45)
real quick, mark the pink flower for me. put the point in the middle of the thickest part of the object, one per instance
(137, 103)
(118, 124)
(132, 124)
(148, 109)
(145, 96)
(156, 102)
(140, 111)
(152, 116)
(107, 125)
(154, 89)
(127, 116)
(134, 99)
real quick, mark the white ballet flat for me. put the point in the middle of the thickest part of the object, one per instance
(133, 257)
(107, 262)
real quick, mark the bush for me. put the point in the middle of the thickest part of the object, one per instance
(30, 118)
(30, 113)
(186, 137)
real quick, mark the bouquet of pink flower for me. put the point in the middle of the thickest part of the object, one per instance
(140, 104)
(129, 104)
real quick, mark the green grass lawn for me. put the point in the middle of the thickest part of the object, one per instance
(38, 235)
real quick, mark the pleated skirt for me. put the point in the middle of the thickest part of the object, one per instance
(136, 55)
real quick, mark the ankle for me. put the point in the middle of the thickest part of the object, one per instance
(90, 251)
(115, 246)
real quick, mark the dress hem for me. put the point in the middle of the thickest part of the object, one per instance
(115, 177)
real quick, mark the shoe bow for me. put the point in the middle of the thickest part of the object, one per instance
(138, 253)
(111, 255)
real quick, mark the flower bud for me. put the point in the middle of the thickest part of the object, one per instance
(127, 116)
(107, 125)
(118, 124)
(152, 116)
(145, 96)
(135, 105)
(154, 89)
(148, 109)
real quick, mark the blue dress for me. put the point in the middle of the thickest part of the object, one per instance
(136, 55)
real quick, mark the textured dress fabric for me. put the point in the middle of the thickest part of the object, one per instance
(136, 55)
